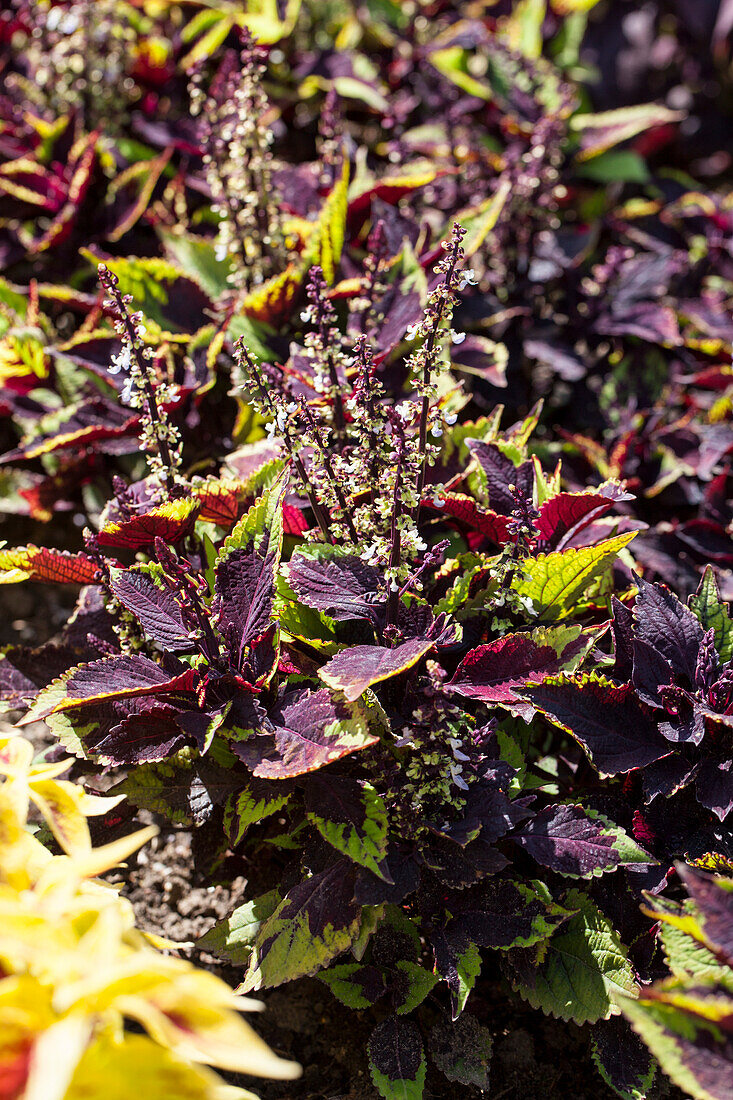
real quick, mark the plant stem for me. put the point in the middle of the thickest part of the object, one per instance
(318, 512)
(429, 352)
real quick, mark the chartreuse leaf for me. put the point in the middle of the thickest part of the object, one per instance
(417, 984)
(478, 221)
(397, 1059)
(356, 986)
(234, 937)
(316, 921)
(261, 524)
(197, 258)
(713, 614)
(688, 958)
(327, 239)
(259, 800)
(467, 970)
(452, 62)
(687, 1028)
(352, 817)
(579, 972)
(301, 622)
(523, 28)
(552, 584)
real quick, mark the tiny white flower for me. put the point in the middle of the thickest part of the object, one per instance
(220, 251)
(438, 503)
(412, 331)
(466, 278)
(457, 337)
(451, 418)
(121, 361)
(456, 777)
(436, 431)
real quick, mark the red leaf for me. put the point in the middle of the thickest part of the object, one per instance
(171, 522)
(465, 509)
(293, 521)
(40, 563)
(489, 672)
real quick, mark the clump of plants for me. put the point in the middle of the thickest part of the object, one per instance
(76, 971)
(391, 401)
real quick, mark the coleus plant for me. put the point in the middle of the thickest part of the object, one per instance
(563, 301)
(328, 655)
(343, 684)
(686, 1019)
(664, 709)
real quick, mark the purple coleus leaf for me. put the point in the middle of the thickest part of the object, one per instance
(355, 669)
(491, 672)
(668, 626)
(397, 1058)
(571, 841)
(344, 588)
(25, 672)
(714, 786)
(245, 589)
(155, 607)
(615, 728)
(245, 574)
(487, 809)
(458, 867)
(111, 678)
(150, 735)
(500, 914)
(307, 730)
(500, 472)
(621, 1058)
(650, 672)
(622, 628)
(504, 914)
